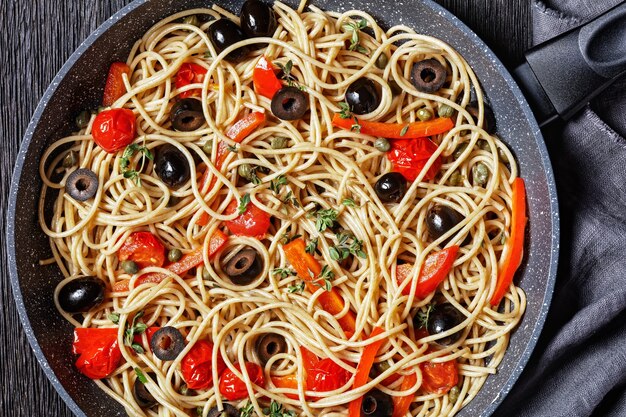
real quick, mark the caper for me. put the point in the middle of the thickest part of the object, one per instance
(279, 143)
(503, 156)
(459, 150)
(424, 114)
(100, 109)
(130, 267)
(83, 118)
(174, 255)
(456, 178)
(453, 395)
(184, 389)
(70, 159)
(208, 147)
(245, 171)
(382, 144)
(206, 275)
(483, 144)
(191, 20)
(445, 111)
(480, 174)
(382, 61)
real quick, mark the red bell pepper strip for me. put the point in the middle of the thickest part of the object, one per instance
(434, 271)
(515, 243)
(309, 359)
(190, 260)
(237, 132)
(307, 268)
(287, 381)
(363, 370)
(397, 130)
(189, 73)
(439, 377)
(401, 405)
(114, 87)
(264, 79)
(409, 156)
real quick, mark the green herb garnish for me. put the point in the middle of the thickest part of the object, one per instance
(129, 152)
(133, 330)
(348, 202)
(296, 288)
(424, 316)
(140, 376)
(325, 219)
(243, 203)
(277, 183)
(345, 113)
(246, 410)
(286, 237)
(325, 278)
(283, 272)
(311, 247)
(355, 28)
(356, 127)
(276, 410)
(347, 244)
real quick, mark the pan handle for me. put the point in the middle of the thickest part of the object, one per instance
(561, 75)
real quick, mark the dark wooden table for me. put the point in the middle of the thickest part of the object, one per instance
(37, 37)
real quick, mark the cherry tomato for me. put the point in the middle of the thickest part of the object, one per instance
(439, 378)
(190, 74)
(309, 359)
(197, 365)
(409, 156)
(144, 249)
(233, 388)
(114, 129)
(326, 375)
(253, 222)
(99, 352)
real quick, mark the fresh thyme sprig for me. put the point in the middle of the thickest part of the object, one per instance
(311, 247)
(424, 316)
(296, 288)
(246, 410)
(355, 28)
(326, 219)
(243, 203)
(284, 272)
(129, 152)
(325, 278)
(276, 410)
(346, 112)
(135, 329)
(348, 202)
(277, 183)
(356, 126)
(347, 244)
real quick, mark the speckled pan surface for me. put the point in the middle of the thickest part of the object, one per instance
(79, 85)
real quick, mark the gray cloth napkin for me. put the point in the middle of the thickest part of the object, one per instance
(579, 366)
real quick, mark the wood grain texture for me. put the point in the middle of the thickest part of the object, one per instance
(37, 38)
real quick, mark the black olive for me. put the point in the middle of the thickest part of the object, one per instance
(391, 187)
(172, 166)
(257, 19)
(142, 395)
(428, 75)
(362, 96)
(224, 33)
(186, 115)
(244, 267)
(82, 184)
(376, 404)
(440, 219)
(442, 318)
(270, 344)
(489, 119)
(289, 103)
(167, 343)
(226, 411)
(81, 294)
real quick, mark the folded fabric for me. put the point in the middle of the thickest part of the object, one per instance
(578, 368)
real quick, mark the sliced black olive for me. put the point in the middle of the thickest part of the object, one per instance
(270, 344)
(257, 19)
(440, 219)
(186, 115)
(142, 395)
(391, 187)
(167, 343)
(244, 267)
(224, 33)
(172, 166)
(81, 294)
(442, 318)
(376, 404)
(489, 119)
(289, 103)
(226, 411)
(82, 184)
(362, 96)
(428, 75)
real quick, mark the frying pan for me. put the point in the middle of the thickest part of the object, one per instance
(79, 85)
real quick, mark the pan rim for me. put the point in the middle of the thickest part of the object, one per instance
(104, 27)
